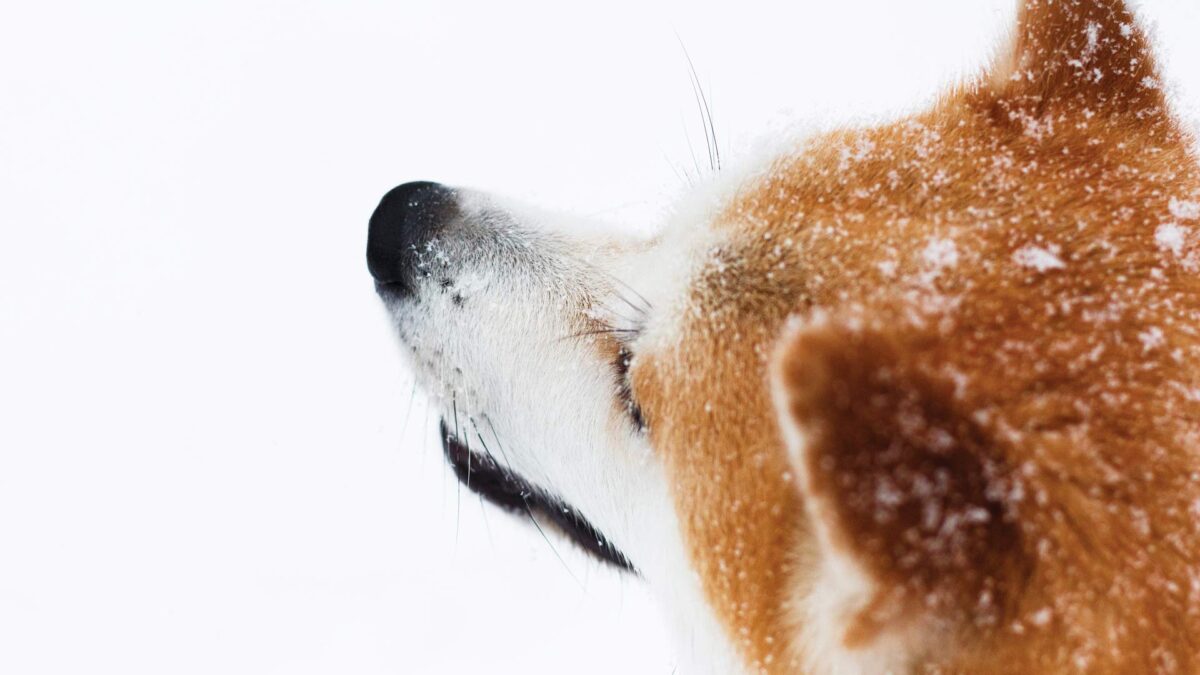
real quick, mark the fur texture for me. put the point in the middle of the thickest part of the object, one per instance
(921, 397)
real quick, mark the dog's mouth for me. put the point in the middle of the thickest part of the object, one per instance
(483, 475)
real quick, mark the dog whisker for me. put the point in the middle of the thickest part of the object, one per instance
(602, 331)
(609, 310)
(487, 449)
(533, 519)
(706, 119)
(691, 150)
(487, 525)
(680, 176)
(408, 412)
(458, 491)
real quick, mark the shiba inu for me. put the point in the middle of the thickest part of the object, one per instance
(918, 397)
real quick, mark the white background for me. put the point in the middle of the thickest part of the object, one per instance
(205, 465)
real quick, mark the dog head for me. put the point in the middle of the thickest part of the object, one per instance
(888, 402)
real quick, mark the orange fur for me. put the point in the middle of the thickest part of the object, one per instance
(998, 268)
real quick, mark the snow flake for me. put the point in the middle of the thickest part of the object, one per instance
(1170, 237)
(1093, 40)
(1151, 338)
(976, 515)
(1184, 209)
(1039, 258)
(1141, 521)
(941, 253)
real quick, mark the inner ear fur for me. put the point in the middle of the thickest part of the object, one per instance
(896, 478)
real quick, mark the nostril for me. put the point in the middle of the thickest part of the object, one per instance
(406, 217)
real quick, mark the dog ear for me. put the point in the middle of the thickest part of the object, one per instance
(906, 492)
(1086, 53)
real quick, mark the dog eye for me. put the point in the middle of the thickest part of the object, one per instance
(625, 388)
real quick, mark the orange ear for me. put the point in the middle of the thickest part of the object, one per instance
(900, 484)
(1089, 53)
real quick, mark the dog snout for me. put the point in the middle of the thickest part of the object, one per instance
(407, 217)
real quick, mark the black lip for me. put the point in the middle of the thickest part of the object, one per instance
(500, 486)
(393, 289)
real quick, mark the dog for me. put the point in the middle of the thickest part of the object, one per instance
(921, 397)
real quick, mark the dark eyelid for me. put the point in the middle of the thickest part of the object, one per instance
(624, 388)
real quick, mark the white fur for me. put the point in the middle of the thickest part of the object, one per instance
(508, 363)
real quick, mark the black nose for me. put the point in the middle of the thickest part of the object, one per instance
(407, 216)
